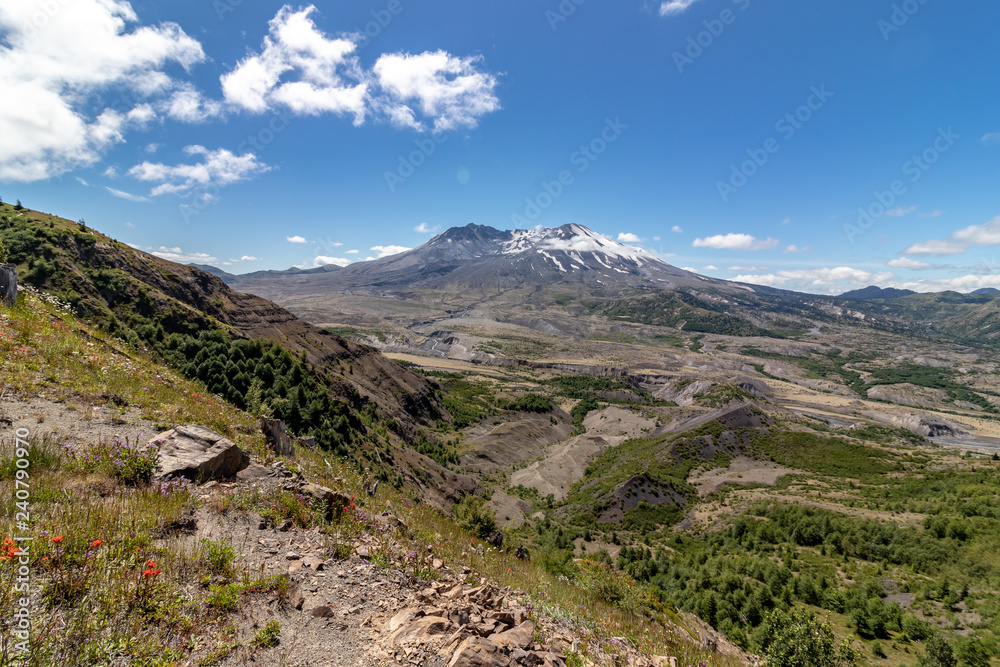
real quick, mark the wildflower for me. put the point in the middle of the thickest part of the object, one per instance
(96, 543)
(57, 539)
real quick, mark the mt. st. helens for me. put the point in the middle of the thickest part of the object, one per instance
(490, 261)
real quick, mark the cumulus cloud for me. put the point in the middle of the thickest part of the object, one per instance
(218, 168)
(823, 280)
(959, 241)
(188, 105)
(386, 250)
(967, 283)
(676, 229)
(747, 268)
(327, 76)
(181, 257)
(795, 248)
(301, 69)
(991, 138)
(325, 261)
(674, 7)
(351, 252)
(248, 258)
(735, 242)
(54, 70)
(449, 90)
(710, 267)
(422, 228)
(628, 237)
(295, 239)
(907, 263)
(121, 194)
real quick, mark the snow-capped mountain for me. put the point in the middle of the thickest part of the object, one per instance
(478, 259)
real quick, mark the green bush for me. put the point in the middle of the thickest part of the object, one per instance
(268, 636)
(472, 515)
(797, 639)
(218, 556)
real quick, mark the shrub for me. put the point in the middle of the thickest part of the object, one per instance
(129, 463)
(268, 636)
(937, 653)
(3, 252)
(472, 515)
(224, 598)
(797, 639)
(218, 556)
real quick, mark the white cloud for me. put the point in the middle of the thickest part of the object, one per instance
(181, 257)
(690, 269)
(795, 248)
(150, 148)
(628, 237)
(55, 69)
(656, 238)
(900, 212)
(188, 105)
(786, 221)
(676, 229)
(336, 261)
(960, 240)
(386, 250)
(710, 267)
(422, 228)
(447, 89)
(351, 252)
(111, 172)
(932, 214)
(301, 69)
(129, 225)
(249, 258)
(746, 268)
(295, 239)
(991, 138)
(329, 78)
(907, 263)
(824, 280)
(674, 7)
(965, 283)
(220, 167)
(121, 194)
(82, 181)
(735, 242)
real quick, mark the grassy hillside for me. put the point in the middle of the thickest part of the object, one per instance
(247, 350)
(116, 582)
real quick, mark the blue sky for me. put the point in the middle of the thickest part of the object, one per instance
(809, 145)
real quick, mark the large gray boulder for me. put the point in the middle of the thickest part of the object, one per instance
(199, 454)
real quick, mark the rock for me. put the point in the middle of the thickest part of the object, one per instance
(313, 563)
(404, 617)
(198, 454)
(291, 555)
(277, 436)
(296, 598)
(520, 637)
(709, 644)
(477, 652)
(285, 526)
(420, 631)
(324, 611)
(307, 441)
(663, 661)
(363, 552)
(496, 539)
(437, 563)
(536, 658)
(522, 554)
(8, 285)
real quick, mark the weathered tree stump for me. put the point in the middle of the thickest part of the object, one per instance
(8, 285)
(277, 436)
